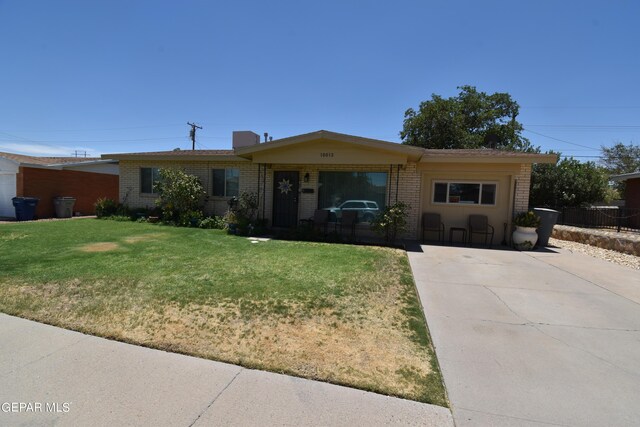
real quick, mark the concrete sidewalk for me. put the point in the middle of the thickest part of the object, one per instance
(78, 379)
(533, 338)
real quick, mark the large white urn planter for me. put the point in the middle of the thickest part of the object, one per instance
(524, 238)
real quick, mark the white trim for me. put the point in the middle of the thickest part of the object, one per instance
(462, 181)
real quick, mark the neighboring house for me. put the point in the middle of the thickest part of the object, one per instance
(322, 170)
(86, 179)
(631, 194)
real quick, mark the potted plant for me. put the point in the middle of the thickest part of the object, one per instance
(525, 237)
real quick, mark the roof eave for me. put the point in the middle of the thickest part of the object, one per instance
(470, 158)
(164, 157)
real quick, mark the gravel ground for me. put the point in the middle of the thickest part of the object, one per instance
(626, 260)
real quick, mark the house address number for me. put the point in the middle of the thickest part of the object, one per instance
(326, 154)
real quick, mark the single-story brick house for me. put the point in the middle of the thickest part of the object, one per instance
(86, 179)
(295, 176)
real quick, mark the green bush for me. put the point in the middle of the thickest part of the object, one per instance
(213, 222)
(105, 207)
(391, 221)
(527, 219)
(180, 196)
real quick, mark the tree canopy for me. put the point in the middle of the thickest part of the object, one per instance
(621, 158)
(471, 119)
(568, 183)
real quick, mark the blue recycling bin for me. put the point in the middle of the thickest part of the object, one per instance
(25, 207)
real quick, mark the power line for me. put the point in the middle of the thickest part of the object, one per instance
(588, 126)
(99, 129)
(561, 140)
(67, 141)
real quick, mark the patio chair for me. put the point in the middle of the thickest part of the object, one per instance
(349, 220)
(321, 220)
(479, 224)
(431, 222)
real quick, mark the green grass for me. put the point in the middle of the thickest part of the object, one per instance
(339, 313)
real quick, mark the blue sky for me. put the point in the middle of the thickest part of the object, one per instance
(123, 76)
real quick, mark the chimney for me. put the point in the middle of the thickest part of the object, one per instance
(244, 138)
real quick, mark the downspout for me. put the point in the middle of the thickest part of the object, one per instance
(397, 181)
(264, 189)
(258, 191)
(390, 177)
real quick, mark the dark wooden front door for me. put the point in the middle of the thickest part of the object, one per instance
(285, 198)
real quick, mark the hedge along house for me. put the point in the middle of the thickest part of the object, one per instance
(323, 170)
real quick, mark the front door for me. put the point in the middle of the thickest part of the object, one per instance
(285, 198)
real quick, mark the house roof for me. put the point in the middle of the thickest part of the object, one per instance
(414, 152)
(45, 161)
(177, 155)
(395, 149)
(485, 155)
(625, 176)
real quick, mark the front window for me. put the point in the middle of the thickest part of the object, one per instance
(226, 182)
(471, 193)
(364, 192)
(148, 178)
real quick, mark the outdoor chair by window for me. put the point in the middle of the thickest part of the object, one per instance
(321, 220)
(348, 221)
(431, 223)
(479, 224)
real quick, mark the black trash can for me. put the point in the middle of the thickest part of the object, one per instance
(64, 206)
(25, 207)
(548, 218)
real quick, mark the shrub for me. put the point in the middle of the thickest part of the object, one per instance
(213, 222)
(190, 219)
(105, 207)
(241, 215)
(180, 195)
(527, 219)
(391, 221)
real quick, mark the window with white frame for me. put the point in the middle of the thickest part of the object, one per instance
(469, 193)
(226, 182)
(148, 178)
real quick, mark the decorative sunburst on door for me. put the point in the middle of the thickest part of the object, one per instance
(285, 186)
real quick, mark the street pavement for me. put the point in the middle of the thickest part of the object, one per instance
(52, 376)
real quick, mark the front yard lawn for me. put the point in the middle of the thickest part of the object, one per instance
(338, 313)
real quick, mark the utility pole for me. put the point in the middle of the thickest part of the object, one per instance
(192, 134)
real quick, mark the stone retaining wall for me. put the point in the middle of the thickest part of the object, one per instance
(628, 243)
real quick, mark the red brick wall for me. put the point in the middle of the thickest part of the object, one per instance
(632, 193)
(46, 184)
(632, 199)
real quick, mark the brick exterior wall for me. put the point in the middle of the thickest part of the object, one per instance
(131, 195)
(408, 182)
(523, 185)
(46, 184)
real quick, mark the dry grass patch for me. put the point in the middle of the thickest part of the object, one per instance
(99, 247)
(145, 237)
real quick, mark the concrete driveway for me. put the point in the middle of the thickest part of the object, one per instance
(533, 338)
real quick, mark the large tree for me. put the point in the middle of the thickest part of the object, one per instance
(567, 183)
(621, 158)
(471, 119)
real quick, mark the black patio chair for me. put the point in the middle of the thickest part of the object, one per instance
(349, 220)
(321, 220)
(431, 222)
(479, 224)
